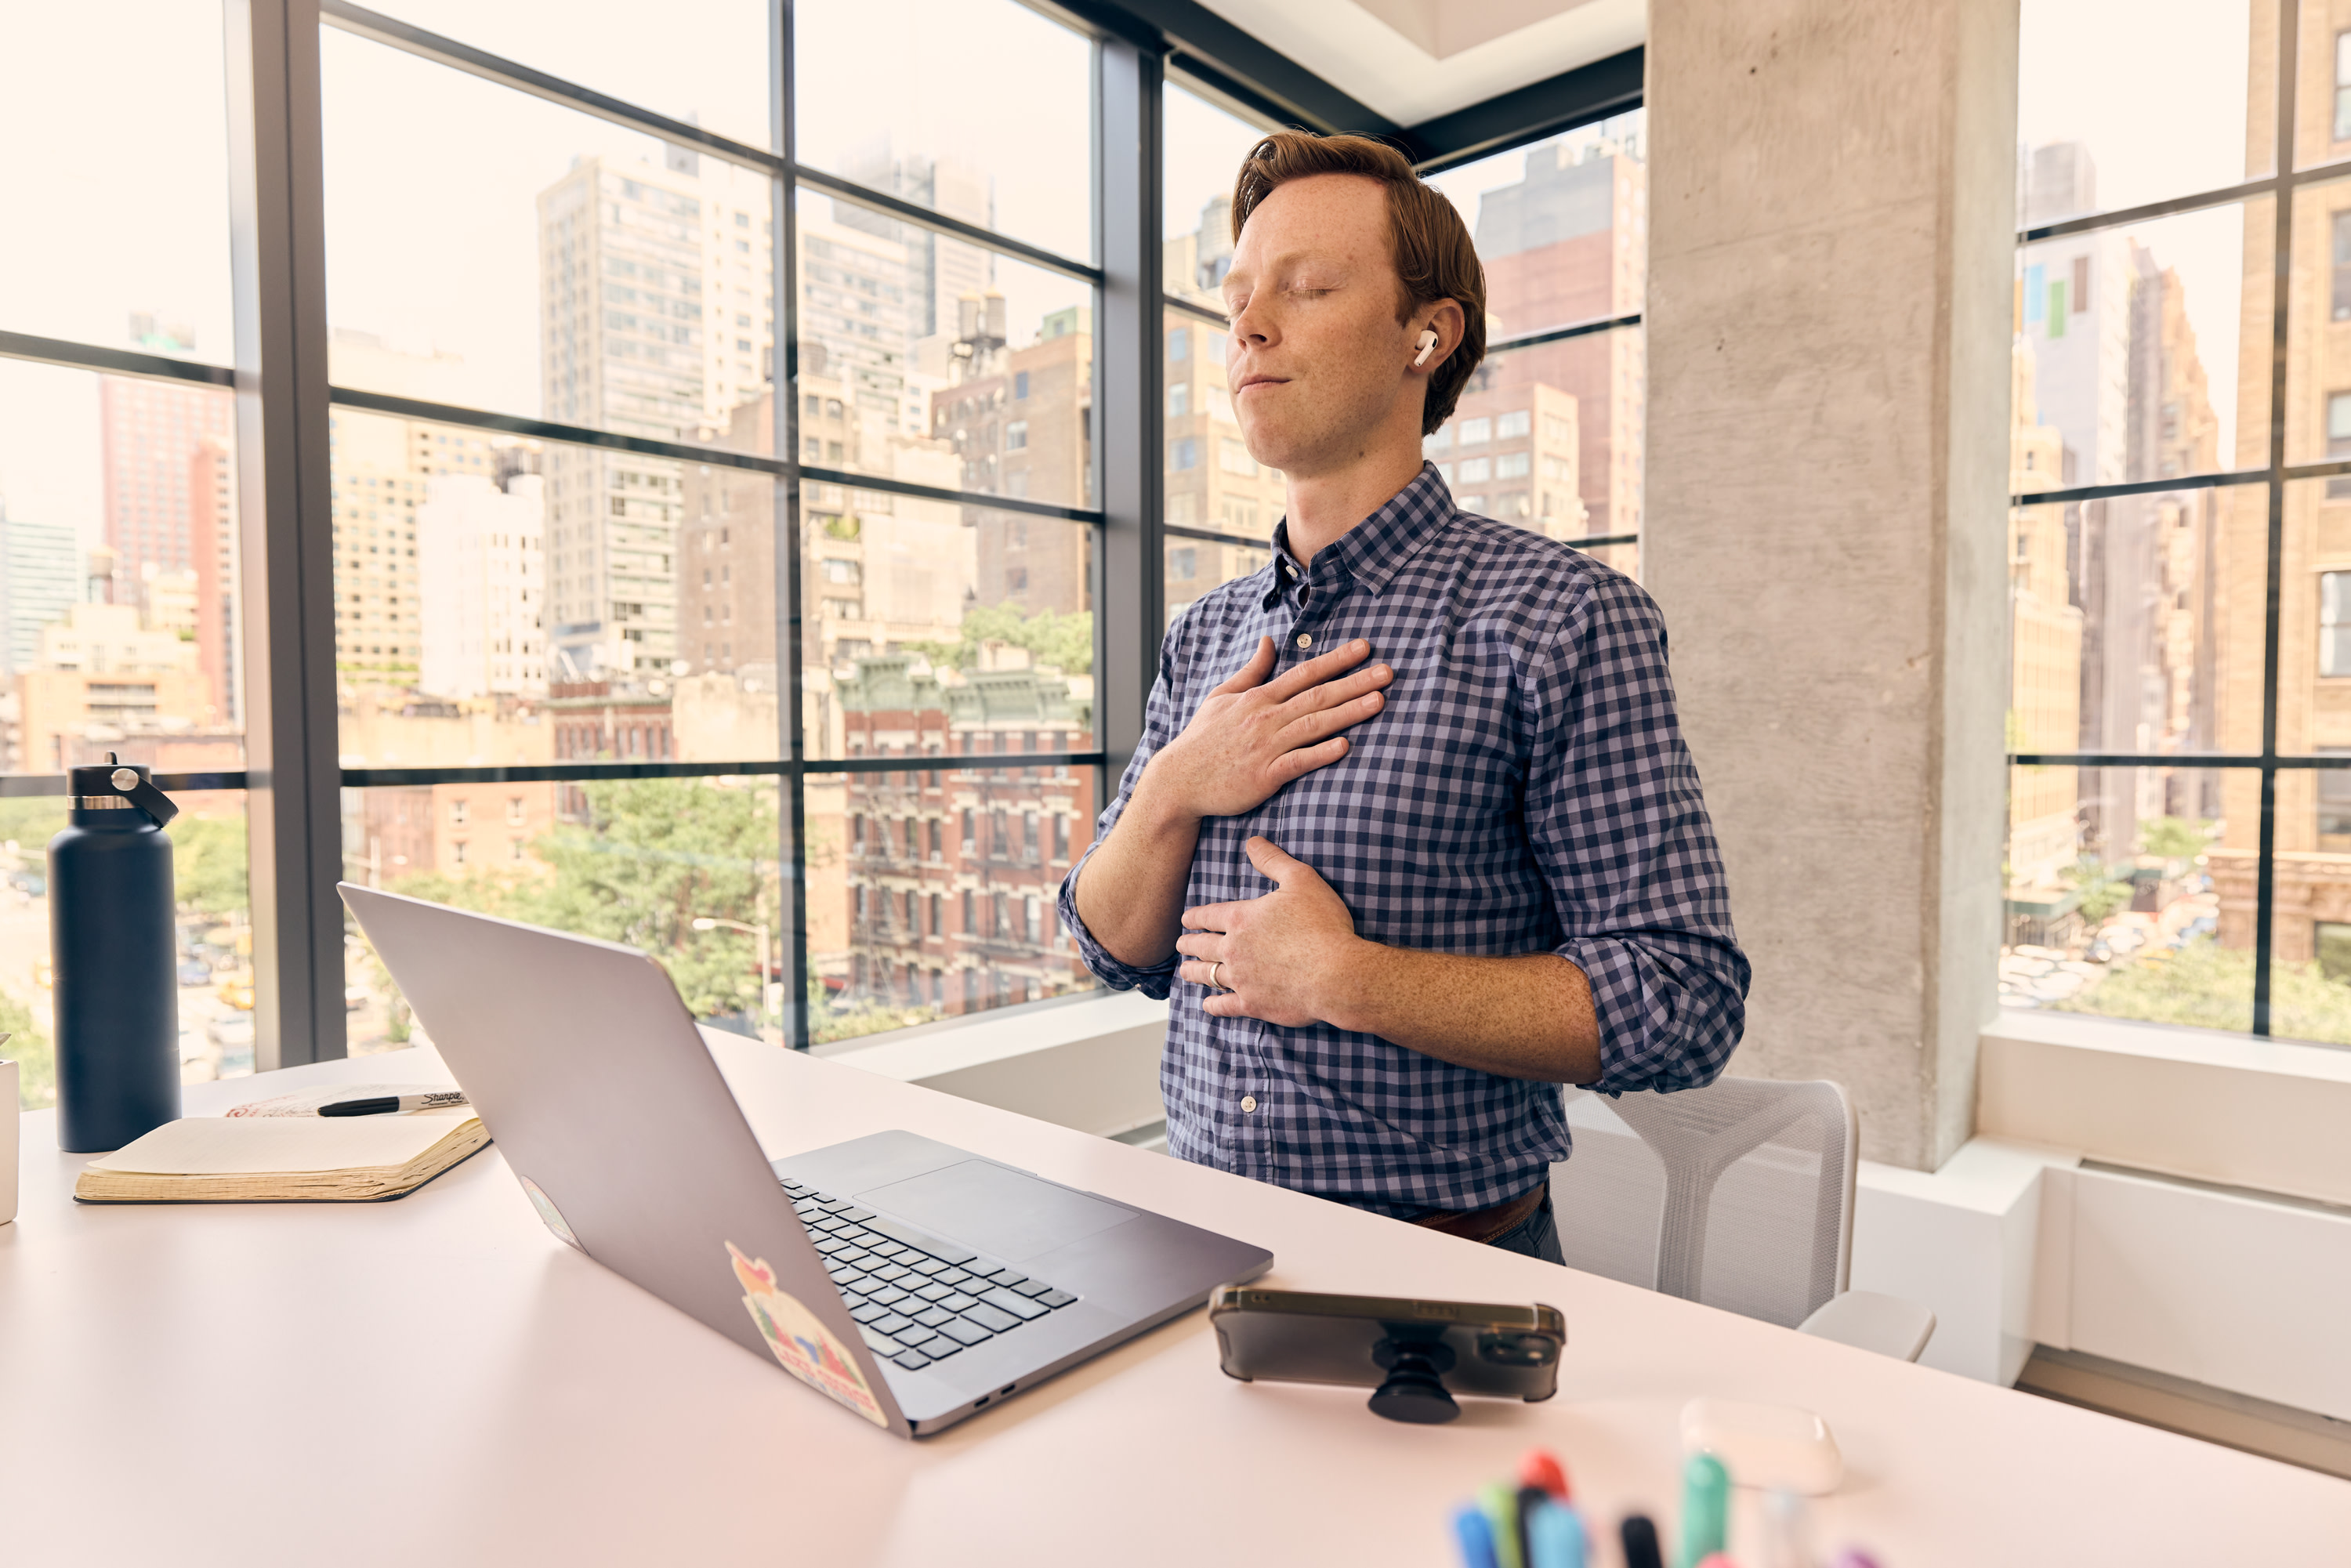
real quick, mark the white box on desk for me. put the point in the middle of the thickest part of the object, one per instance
(9, 1120)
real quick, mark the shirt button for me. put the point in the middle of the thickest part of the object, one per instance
(1249, 1102)
(1304, 641)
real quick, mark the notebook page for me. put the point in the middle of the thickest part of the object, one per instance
(261, 1145)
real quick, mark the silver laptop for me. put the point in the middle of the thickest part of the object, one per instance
(909, 1281)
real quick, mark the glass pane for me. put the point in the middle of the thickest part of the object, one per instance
(2313, 699)
(641, 862)
(1022, 165)
(1551, 437)
(2123, 893)
(2318, 325)
(2323, 88)
(114, 132)
(2144, 349)
(587, 274)
(1203, 146)
(1562, 226)
(931, 894)
(1211, 480)
(120, 580)
(2310, 931)
(711, 72)
(931, 360)
(912, 604)
(2113, 112)
(2136, 621)
(1195, 566)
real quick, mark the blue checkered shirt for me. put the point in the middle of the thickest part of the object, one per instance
(1525, 789)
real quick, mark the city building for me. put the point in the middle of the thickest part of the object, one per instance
(1568, 243)
(480, 547)
(454, 831)
(1510, 451)
(100, 674)
(2045, 831)
(217, 552)
(950, 868)
(40, 579)
(149, 431)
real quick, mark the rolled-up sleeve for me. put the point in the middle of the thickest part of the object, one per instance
(1616, 820)
(1161, 723)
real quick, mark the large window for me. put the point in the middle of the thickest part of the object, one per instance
(2179, 845)
(708, 534)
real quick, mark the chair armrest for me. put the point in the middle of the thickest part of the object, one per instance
(1867, 1320)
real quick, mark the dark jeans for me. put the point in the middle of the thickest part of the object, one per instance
(1536, 1235)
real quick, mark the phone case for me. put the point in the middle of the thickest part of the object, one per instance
(1297, 1337)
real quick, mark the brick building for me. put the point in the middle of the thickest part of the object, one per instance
(950, 871)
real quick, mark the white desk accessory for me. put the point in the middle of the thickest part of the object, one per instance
(9, 1118)
(1766, 1446)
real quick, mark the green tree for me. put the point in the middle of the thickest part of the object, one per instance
(208, 866)
(1064, 640)
(2207, 986)
(830, 1020)
(2101, 894)
(2176, 838)
(32, 820)
(656, 854)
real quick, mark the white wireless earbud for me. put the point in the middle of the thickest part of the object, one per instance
(1427, 344)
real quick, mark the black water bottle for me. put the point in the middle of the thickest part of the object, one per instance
(110, 941)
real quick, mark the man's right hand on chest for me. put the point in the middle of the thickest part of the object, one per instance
(1251, 735)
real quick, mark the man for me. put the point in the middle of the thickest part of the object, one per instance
(1412, 819)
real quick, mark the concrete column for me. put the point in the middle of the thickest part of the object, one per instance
(1832, 223)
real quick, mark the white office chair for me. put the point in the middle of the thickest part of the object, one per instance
(1739, 1194)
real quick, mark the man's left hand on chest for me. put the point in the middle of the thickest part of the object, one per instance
(1275, 958)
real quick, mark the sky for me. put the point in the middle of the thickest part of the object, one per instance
(433, 174)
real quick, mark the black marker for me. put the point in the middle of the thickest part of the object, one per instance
(396, 1104)
(1640, 1538)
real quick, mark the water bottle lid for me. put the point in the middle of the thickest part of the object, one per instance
(116, 784)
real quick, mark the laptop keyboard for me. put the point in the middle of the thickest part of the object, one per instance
(917, 1299)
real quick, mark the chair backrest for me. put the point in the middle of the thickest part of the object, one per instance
(1739, 1194)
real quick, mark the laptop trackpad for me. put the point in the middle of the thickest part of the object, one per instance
(1001, 1211)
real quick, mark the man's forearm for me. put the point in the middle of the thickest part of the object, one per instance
(1524, 1017)
(1130, 892)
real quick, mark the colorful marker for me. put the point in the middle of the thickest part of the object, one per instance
(1640, 1538)
(1706, 1509)
(1501, 1502)
(1538, 1468)
(1475, 1535)
(1554, 1536)
(1786, 1540)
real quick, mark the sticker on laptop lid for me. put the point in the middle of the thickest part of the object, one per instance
(803, 1345)
(550, 1213)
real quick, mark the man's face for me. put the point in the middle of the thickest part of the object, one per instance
(1316, 358)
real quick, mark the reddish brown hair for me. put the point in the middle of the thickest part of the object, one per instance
(1435, 259)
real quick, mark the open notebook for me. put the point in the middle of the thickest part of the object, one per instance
(282, 1159)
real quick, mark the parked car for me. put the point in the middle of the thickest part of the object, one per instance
(195, 972)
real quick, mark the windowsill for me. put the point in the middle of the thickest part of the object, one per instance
(2199, 1103)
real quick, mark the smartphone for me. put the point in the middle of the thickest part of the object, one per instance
(1298, 1336)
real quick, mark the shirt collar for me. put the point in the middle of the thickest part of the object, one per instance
(1377, 548)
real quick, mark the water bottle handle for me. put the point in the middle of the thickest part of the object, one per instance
(143, 793)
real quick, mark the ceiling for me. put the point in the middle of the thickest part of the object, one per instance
(1415, 59)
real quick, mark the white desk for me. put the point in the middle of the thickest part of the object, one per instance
(438, 1380)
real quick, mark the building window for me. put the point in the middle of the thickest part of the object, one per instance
(2338, 441)
(456, 813)
(2334, 622)
(2343, 87)
(1233, 456)
(1179, 344)
(1511, 425)
(1474, 432)
(1016, 435)
(1020, 386)
(2081, 300)
(1179, 399)
(1183, 561)
(2340, 305)
(1183, 455)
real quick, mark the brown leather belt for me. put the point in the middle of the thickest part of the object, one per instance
(1486, 1224)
